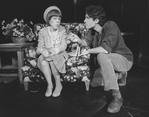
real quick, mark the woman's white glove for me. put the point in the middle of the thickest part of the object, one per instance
(45, 53)
(54, 51)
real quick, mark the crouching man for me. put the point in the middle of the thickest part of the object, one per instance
(105, 40)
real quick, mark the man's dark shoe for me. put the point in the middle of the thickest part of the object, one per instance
(122, 78)
(115, 105)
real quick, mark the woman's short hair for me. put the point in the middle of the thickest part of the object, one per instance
(97, 12)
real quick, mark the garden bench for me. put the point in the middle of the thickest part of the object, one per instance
(77, 67)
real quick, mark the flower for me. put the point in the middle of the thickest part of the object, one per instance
(38, 27)
(18, 29)
(77, 28)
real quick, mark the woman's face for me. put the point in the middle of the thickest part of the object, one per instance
(55, 22)
(89, 22)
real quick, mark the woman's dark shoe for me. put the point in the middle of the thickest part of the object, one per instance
(115, 105)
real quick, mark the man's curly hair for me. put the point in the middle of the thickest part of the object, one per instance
(97, 12)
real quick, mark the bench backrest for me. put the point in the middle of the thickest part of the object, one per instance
(76, 28)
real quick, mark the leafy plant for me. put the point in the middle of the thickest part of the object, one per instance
(18, 28)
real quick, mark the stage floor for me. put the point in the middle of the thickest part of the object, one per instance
(75, 101)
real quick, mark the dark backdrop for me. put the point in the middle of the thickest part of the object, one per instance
(130, 15)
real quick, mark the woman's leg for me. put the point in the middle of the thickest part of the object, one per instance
(58, 85)
(45, 68)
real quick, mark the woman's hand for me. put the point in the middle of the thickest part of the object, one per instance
(54, 51)
(45, 53)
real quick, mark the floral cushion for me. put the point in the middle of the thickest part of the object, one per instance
(77, 65)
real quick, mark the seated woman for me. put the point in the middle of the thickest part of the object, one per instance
(51, 48)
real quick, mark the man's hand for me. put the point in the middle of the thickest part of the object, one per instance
(74, 38)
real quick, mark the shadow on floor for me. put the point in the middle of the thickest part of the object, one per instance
(75, 101)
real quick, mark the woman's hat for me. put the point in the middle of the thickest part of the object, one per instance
(49, 9)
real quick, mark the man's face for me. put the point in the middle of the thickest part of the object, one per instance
(55, 22)
(89, 22)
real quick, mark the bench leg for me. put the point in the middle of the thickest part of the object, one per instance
(25, 83)
(87, 84)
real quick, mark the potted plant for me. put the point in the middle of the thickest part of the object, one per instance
(18, 31)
